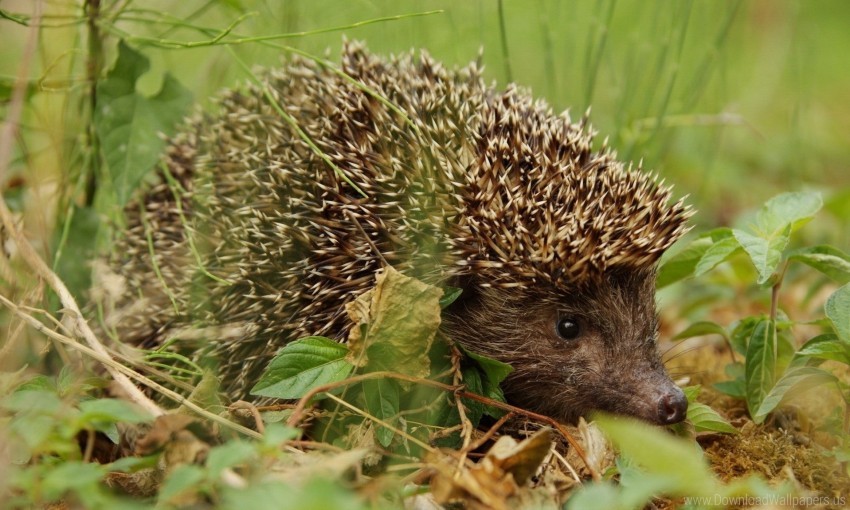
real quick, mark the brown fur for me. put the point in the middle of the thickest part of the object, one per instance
(612, 366)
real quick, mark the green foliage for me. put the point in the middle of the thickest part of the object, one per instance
(655, 463)
(43, 419)
(129, 124)
(303, 365)
(397, 322)
(704, 418)
(773, 370)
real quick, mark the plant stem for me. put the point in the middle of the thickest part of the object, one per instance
(93, 70)
(504, 38)
(774, 294)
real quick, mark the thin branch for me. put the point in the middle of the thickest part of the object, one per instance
(298, 412)
(114, 367)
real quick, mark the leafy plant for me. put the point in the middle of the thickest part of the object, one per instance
(773, 369)
(652, 463)
(392, 350)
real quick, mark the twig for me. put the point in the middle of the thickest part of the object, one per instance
(26, 250)
(382, 423)
(112, 365)
(297, 413)
(255, 413)
(490, 432)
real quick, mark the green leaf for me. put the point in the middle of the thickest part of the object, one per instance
(33, 401)
(111, 410)
(788, 210)
(301, 366)
(129, 124)
(77, 248)
(829, 260)
(704, 418)
(737, 386)
(450, 295)
(72, 476)
(228, 455)
(382, 402)
(682, 264)
(702, 328)
(595, 496)
(760, 365)
(741, 334)
(680, 462)
(715, 254)
(692, 392)
(827, 347)
(794, 381)
(765, 252)
(473, 381)
(838, 312)
(182, 479)
(496, 371)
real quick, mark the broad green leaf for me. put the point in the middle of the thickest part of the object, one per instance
(682, 264)
(77, 248)
(700, 329)
(301, 366)
(382, 402)
(595, 496)
(703, 417)
(72, 476)
(692, 392)
(829, 260)
(826, 347)
(736, 388)
(765, 252)
(472, 379)
(400, 317)
(794, 381)
(321, 493)
(277, 433)
(496, 371)
(33, 401)
(788, 210)
(715, 254)
(181, 479)
(741, 334)
(760, 365)
(111, 410)
(679, 461)
(706, 419)
(129, 124)
(737, 385)
(838, 311)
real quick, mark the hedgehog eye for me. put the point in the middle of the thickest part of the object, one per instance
(568, 328)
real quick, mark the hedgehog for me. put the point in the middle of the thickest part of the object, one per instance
(278, 208)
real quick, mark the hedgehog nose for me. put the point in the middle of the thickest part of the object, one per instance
(672, 406)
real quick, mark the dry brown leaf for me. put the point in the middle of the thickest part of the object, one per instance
(497, 477)
(598, 451)
(401, 314)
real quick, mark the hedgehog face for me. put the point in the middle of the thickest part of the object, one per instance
(574, 352)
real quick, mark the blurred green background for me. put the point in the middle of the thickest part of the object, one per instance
(731, 101)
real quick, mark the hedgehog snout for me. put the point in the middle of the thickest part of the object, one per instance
(672, 406)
